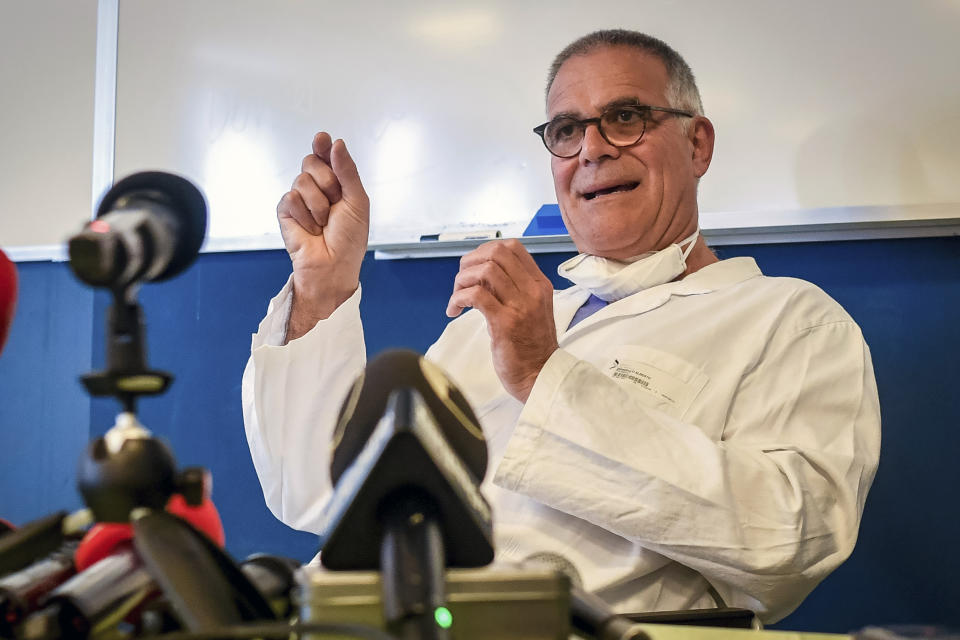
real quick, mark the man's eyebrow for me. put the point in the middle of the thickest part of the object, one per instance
(622, 101)
(625, 101)
(566, 114)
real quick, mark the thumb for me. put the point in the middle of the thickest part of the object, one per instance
(346, 171)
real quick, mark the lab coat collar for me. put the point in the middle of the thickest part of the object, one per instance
(712, 277)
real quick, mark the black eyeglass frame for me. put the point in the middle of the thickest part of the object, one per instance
(540, 130)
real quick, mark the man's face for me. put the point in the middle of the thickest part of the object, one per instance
(620, 202)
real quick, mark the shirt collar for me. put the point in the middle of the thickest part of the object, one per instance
(713, 277)
(718, 275)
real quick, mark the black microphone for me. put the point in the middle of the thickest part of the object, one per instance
(274, 577)
(589, 614)
(166, 556)
(149, 227)
(33, 541)
(405, 426)
(73, 609)
(21, 592)
(367, 401)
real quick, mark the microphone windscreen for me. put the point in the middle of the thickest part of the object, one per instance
(367, 401)
(103, 539)
(204, 517)
(556, 562)
(179, 196)
(8, 296)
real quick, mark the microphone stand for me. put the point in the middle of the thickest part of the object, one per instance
(128, 469)
(413, 567)
(127, 376)
(129, 476)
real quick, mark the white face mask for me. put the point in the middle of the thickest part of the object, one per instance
(612, 280)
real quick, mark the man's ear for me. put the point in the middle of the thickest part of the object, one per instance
(701, 137)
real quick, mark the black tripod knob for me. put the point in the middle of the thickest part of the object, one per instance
(117, 477)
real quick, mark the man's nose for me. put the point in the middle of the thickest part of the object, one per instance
(595, 147)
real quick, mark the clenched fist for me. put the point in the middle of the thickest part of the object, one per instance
(324, 220)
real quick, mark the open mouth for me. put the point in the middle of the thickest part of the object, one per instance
(629, 186)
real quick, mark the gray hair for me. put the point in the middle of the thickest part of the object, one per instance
(682, 92)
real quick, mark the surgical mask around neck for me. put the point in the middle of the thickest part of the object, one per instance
(612, 280)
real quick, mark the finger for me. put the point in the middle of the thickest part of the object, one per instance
(346, 172)
(477, 297)
(498, 252)
(524, 259)
(292, 207)
(323, 176)
(313, 197)
(490, 276)
(322, 142)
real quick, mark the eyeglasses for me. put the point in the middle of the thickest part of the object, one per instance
(620, 126)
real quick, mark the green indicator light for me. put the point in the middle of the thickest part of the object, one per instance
(443, 617)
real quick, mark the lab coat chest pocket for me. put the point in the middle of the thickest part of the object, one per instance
(661, 380)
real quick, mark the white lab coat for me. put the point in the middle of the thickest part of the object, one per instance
(722, 428)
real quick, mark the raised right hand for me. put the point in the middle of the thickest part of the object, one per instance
(324, 220)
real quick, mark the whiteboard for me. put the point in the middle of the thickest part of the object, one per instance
(822, 103)
(820, 107)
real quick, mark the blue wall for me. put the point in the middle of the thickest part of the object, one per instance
(904, 293)
(44, 412)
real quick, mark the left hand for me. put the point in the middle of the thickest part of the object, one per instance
(501, 280)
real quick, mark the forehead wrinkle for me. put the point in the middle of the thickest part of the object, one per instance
(623, 92)
(622, 101)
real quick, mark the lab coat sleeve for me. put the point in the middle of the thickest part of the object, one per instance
(763, 514)
(291, 398)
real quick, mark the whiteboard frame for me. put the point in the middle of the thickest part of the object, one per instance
(105, 100)
(719, 228)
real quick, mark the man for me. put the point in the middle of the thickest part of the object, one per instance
(684, 430)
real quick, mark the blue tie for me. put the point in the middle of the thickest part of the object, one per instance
(590, 307)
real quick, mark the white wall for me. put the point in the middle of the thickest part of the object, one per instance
(47, 61)
(821, 103)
